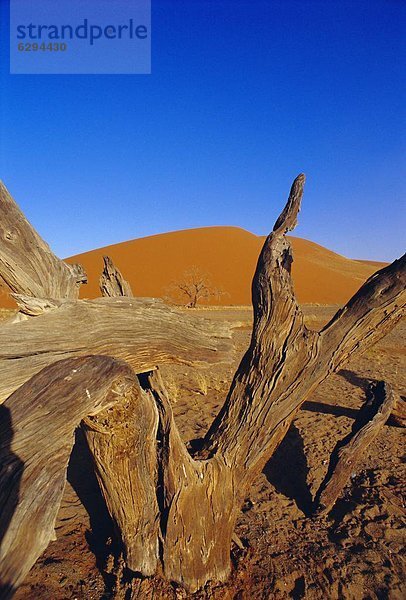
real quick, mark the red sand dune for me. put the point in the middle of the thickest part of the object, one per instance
(228, 255)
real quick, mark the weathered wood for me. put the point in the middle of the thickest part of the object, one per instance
(123, 442)
(281, 346)
(196, 500)
(369, 315)
(398, 415)
(347, 454)
(33, 307)
(112, 283)
(27, 264)
(286, 361)
(282, 367)
(144, 332)
(152, 486)
(36, 437)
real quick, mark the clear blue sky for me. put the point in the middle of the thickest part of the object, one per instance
(243, 96)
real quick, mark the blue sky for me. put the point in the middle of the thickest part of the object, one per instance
(243, 96)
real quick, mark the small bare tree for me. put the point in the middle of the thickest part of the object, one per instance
(193, 286)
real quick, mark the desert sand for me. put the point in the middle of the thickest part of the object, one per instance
(228, 255)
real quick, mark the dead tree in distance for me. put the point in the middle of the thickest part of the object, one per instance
(193, 286)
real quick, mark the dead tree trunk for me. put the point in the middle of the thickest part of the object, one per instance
(144, 332)
(370, 420)
(28, 267)
(112, 283)
(36, 438)
(181, 508)
(282, 367)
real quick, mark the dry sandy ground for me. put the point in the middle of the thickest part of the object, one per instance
(357, 553)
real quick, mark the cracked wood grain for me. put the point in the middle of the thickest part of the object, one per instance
(27, 264)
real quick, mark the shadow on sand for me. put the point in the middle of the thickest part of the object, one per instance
(81, 476)
(341, 411)
(287, 470)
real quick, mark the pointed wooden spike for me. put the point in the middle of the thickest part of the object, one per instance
(112, 283)
(287, 220)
